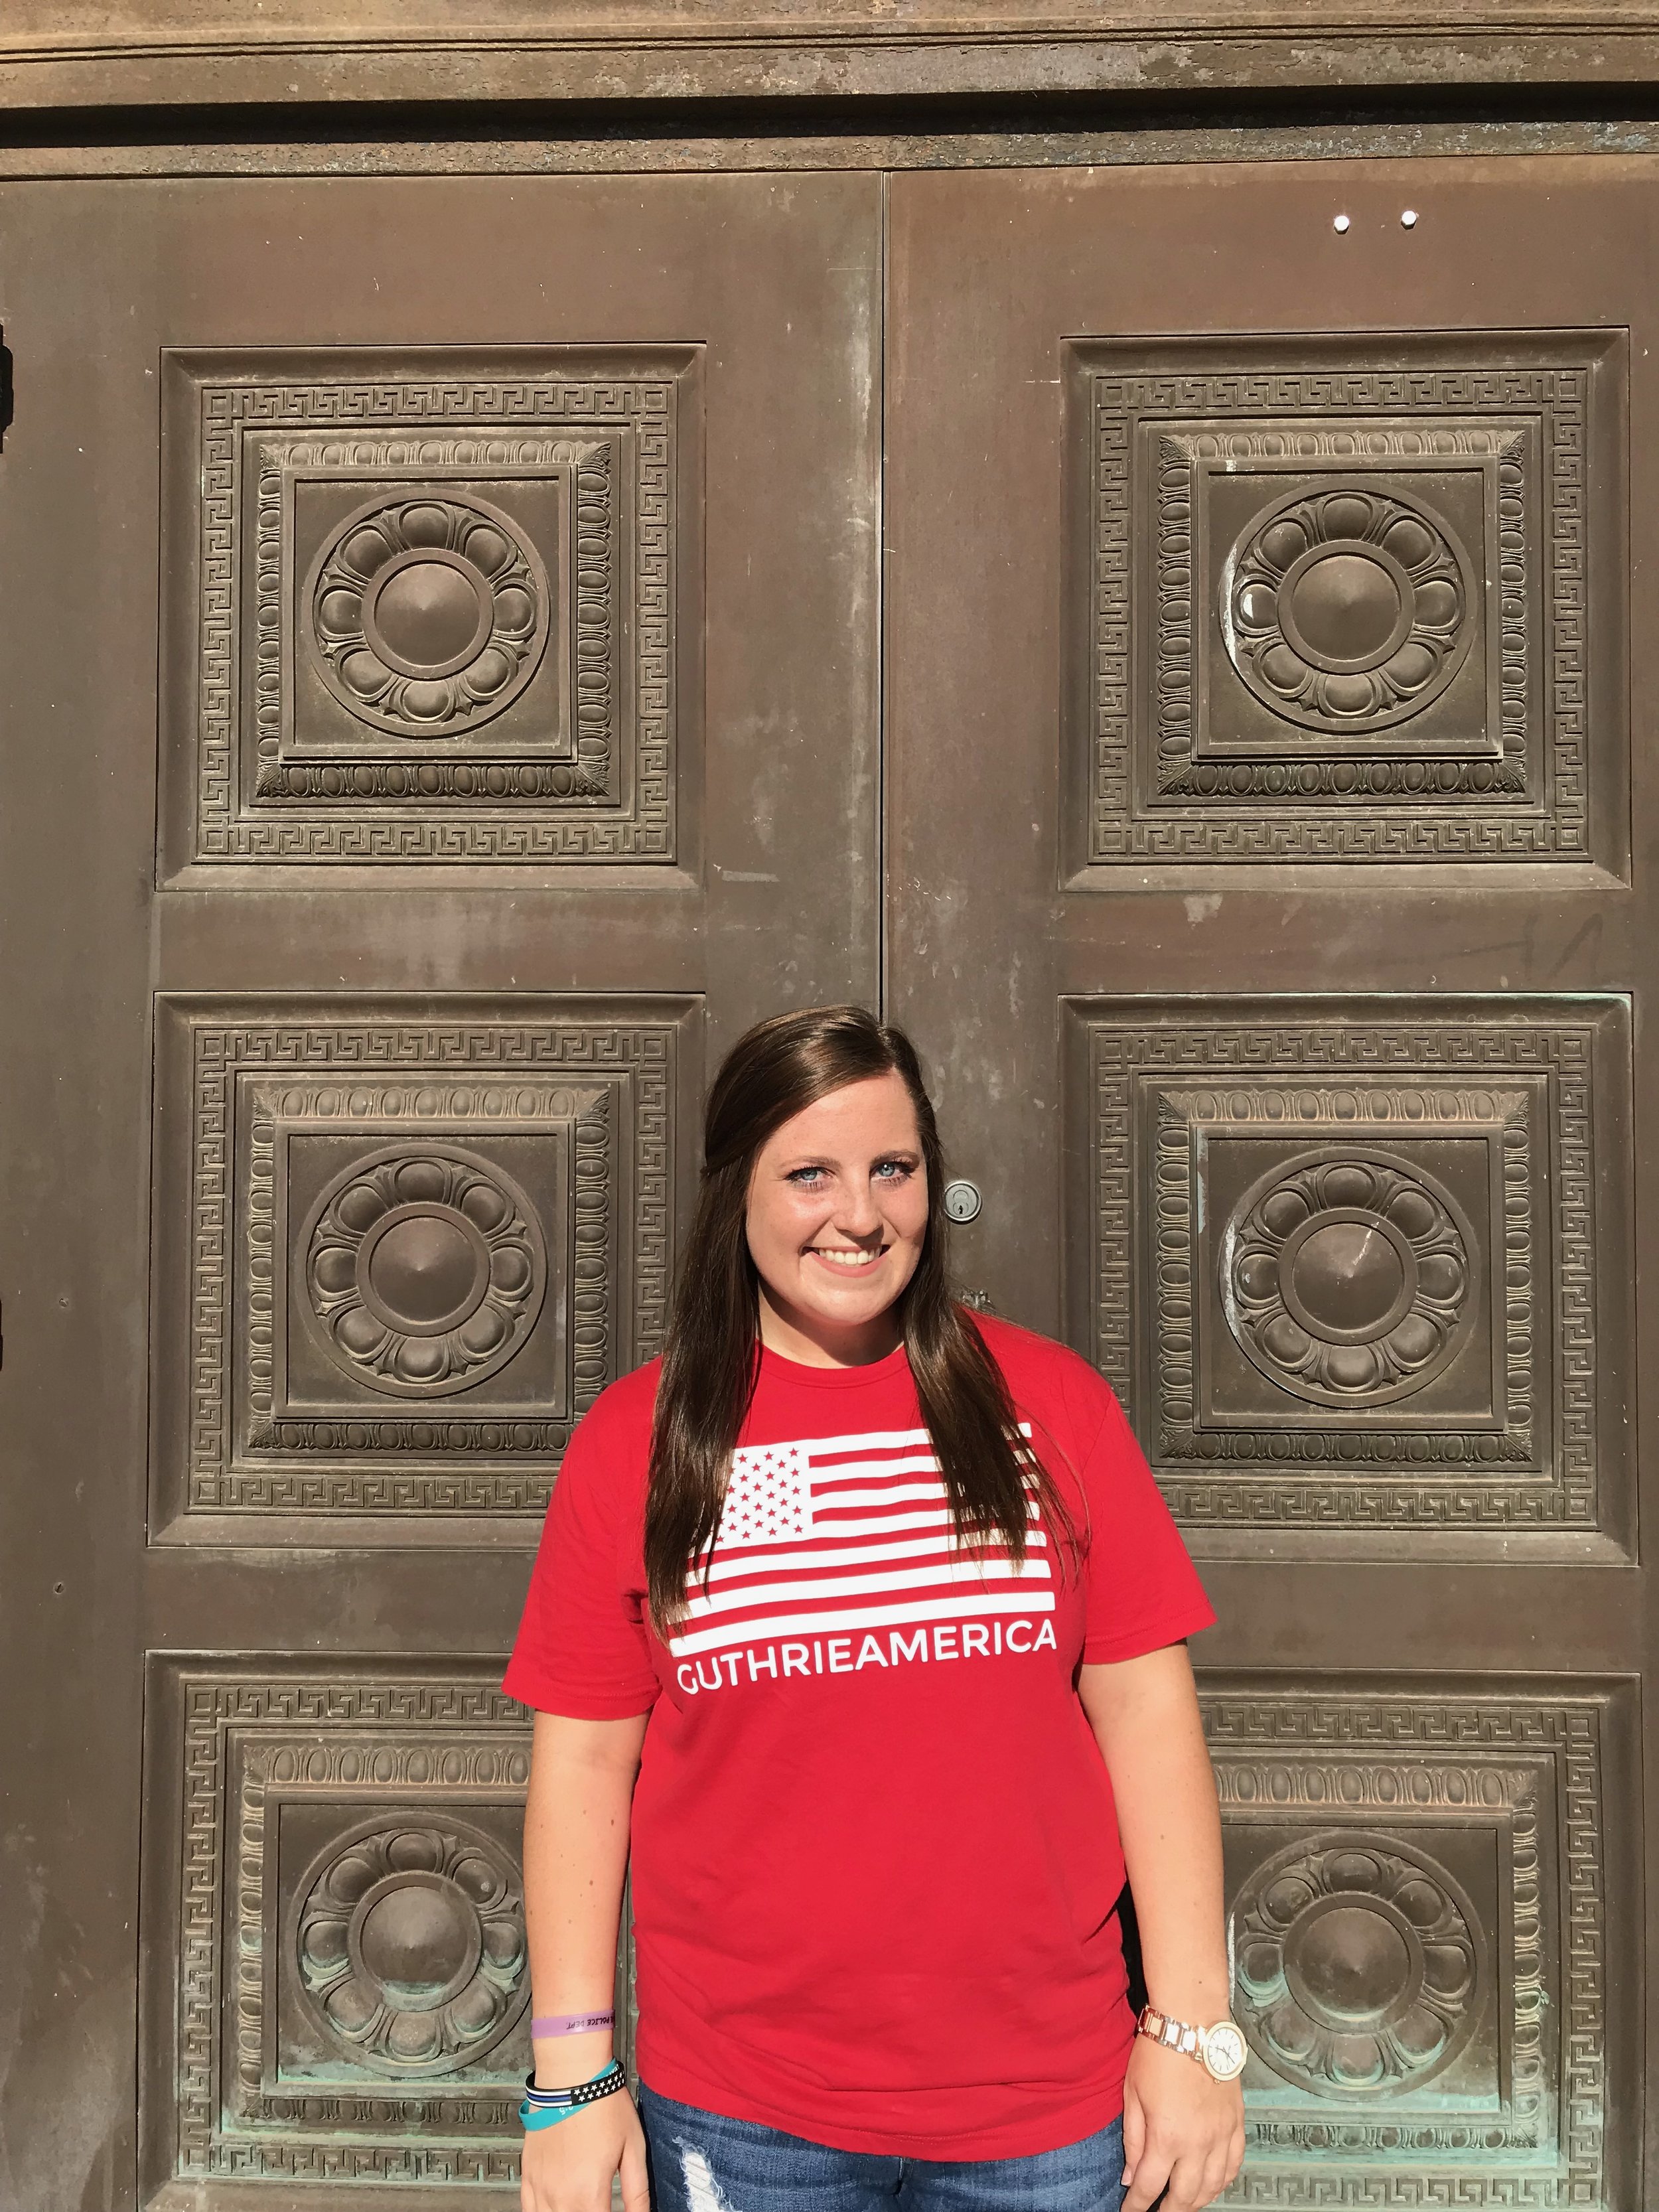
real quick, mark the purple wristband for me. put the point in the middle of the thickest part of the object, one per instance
(571, 2023)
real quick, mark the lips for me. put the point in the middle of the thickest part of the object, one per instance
(849, 1262)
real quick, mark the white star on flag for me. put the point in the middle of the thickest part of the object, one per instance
(769, 1498)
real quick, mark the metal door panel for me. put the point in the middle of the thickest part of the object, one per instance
(1260, 785)
(514, 547)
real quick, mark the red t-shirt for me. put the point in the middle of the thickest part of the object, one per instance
(875, 1853)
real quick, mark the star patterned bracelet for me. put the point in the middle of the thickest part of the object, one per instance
(545, 2108)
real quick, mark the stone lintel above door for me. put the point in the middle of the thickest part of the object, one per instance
(304, 54)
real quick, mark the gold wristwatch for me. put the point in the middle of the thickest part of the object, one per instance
(1220, 2050)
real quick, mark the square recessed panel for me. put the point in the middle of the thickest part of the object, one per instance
(1361, 1267)
(1354, 612)
(1351, 1278)
(1367, 1959)
(335, 1926)
(425, 1270)
(391, 1938)
(421, 1240)
(425, 607)
(1417, 1889)
(437, 615)
(1339, 603)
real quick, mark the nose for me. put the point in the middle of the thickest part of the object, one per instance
(858, 1216)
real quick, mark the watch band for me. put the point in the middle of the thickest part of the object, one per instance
(1220, 2050)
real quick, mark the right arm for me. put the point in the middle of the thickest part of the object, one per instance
(575, 1857)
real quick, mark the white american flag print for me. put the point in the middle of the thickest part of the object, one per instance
(838, 1534)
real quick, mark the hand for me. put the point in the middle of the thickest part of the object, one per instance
(1181, 2130)
(568, 2168)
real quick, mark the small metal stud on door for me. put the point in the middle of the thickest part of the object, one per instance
(962, 1201)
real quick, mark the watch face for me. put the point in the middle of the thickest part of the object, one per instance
(1224, 2050)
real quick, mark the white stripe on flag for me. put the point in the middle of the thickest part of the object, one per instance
(846, 1555)
(891, 1524)
(957, 1571)
(888, 1493)
(865, 1470)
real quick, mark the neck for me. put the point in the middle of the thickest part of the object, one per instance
(803, 1337)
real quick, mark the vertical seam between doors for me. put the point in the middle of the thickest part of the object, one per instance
(881, 621)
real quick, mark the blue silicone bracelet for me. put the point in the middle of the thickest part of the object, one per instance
(533, 2122)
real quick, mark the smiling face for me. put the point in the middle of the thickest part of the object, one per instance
(837, 1217)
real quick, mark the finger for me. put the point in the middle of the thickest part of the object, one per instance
(1197, 2179)
(1185, 2190)
(1134, 2132)
(635, 2190)
(1152, 2173)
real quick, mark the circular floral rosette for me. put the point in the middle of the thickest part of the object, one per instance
(1349, 610)
(424, 1270)
(1347, 1279)
(410, 1946)
(1361, 1967)
(429, 615)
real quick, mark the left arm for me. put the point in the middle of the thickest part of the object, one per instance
(1181, 2129)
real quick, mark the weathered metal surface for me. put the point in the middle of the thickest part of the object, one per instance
(515, 556)
(1273, 671)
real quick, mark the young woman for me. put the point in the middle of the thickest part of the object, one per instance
(860, 1620)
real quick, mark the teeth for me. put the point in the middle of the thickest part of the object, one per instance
(845, 1259)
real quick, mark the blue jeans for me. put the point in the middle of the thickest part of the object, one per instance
(701, 2162)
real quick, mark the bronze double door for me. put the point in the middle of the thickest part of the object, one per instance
(471, 646)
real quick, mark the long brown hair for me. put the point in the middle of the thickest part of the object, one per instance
(712, 1357)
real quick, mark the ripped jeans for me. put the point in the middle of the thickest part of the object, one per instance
(701, 2162)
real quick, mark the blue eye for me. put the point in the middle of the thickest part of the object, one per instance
(893, 1170)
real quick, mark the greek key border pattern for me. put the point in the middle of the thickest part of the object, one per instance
(590, 467)
(1175, 1295)
(1125, 1054)
(225, 1777)
(1321, 1751)
(1182, 612)
(224, 831)
(436, 1052)
(1366, 827)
